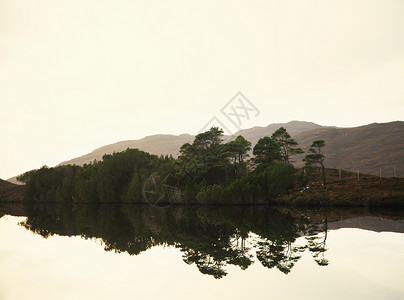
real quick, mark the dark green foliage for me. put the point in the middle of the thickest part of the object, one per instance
(287, 144)
(116, 178)
(316, 156)
(253, 188)
(86, 184)
(116, 172)
(238, 149)
(206, 159)
(266, 152)
(50, 184)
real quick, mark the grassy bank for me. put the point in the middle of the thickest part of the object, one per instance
(367, 191)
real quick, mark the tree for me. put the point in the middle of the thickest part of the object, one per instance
(237, 152)
(266, 152)
(280, 254)
(286, 143)
(207, 157)
(238, 149)
(315, 156)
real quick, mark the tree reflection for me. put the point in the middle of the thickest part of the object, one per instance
(205, 263)
(283, 256)
(317, 242)
(211, 238)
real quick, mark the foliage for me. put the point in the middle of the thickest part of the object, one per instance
(266, 152)
(111, 180)
(287, 144)
(238, 149)
(50, 184)
(316, 156)
(206, 158)
(253, 188)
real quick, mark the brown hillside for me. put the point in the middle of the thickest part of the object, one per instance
(366, 148)
(367, 190)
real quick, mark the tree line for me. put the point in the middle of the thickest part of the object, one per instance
(207, 171)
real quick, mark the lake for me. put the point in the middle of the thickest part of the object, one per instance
(60, 251)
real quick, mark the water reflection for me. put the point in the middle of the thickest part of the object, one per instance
(212, 238)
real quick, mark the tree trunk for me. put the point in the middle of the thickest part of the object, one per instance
(323, 174)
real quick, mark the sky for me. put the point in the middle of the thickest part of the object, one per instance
(79, 74)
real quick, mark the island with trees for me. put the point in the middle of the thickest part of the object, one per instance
(210, 171)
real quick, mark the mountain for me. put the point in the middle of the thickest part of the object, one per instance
(366, 149)
(292, 127)
(166, 144)
(158, 144)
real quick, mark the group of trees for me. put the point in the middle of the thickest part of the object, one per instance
(208, 154)
(118, 177)
(280, 147)
(207, 171)
(223, 172)
(209, 159)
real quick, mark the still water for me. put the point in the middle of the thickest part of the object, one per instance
(142, 252)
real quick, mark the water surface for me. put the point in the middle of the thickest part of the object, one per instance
(55, 251)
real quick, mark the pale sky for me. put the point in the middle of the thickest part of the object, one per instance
(79, 74)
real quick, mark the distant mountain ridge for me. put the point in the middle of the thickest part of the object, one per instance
(159, 144)
(165, 144)
(365, 148)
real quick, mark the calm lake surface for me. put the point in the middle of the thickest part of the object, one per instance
(57, 251)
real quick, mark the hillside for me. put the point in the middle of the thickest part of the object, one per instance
(366, 148)
(368, 191)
